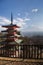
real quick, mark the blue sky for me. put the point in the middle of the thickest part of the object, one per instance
(28, 14)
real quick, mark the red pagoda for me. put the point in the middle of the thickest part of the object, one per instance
(11, 37)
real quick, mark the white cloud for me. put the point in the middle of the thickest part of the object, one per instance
(23, 19)
(1, 28)
(20, 19)
(4, 21)
(26, 19)
(35, 10)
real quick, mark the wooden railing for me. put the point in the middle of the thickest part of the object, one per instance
(22, 51)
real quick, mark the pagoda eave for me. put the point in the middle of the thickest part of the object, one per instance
(10, 26)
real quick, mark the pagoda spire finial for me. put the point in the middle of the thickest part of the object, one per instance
(11, 18)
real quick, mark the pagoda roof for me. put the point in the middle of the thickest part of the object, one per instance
(13, 25)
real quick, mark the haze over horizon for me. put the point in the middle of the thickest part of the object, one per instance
(28, 14)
